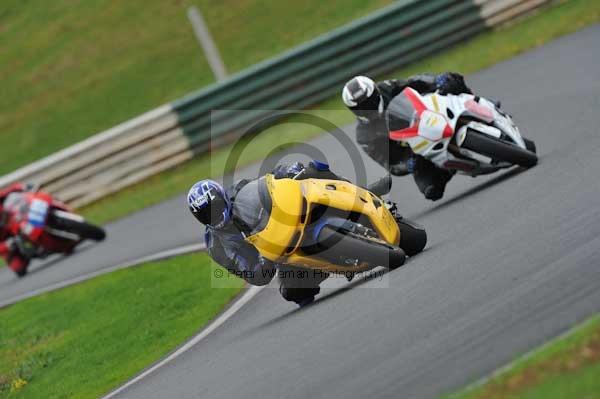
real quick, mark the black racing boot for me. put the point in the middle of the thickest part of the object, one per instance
(430, 179)
(301, 296)
(433, 192)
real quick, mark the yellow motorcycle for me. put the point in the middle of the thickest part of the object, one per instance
(333, 226)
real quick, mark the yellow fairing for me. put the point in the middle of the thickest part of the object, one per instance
(293, 201)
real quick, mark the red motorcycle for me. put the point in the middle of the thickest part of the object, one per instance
(43, 225)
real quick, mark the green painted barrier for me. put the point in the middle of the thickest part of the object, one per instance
(392, 37)
(378, 43)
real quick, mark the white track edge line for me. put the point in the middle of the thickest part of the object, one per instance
(527, 355)
(237, 305)
(66, 283)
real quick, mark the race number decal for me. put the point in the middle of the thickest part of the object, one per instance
(38, 210)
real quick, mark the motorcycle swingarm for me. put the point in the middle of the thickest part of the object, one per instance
(312, 232)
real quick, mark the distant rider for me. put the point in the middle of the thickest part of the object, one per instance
(369, 100)
(231, 215)
(11, 237)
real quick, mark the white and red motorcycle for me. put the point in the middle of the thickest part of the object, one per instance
(462, 132)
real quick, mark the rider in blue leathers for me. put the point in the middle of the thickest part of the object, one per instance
(230, 215)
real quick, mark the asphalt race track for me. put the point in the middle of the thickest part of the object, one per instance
(511, 262)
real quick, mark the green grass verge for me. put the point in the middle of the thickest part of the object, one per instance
(84, 340)
(478, 53)
(566, 368)
(71, 68)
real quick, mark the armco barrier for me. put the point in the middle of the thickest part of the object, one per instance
(171, 134)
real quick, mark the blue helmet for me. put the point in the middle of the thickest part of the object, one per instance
(209, 203)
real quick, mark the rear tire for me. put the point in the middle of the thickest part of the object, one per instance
(85, 230)
(498, 149)
(413, 237)
(346, 248)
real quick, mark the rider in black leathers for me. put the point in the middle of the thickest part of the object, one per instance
(368, 100)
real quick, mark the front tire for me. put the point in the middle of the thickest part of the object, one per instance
(83, 229)
(498, 149)
(348, 248)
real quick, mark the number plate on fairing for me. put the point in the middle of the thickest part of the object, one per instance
(38, 210)
(432, 125)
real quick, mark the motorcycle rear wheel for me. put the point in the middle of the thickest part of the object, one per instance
(498, 149)
(413, 237)
(21, 273)
(530, 145)
(349, 248)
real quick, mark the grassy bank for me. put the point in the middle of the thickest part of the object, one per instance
(566, 368)
(478, 53)
(71, 68)
(84, 340)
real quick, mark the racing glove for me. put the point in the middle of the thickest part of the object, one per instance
(403, 168)
(283, 171)
(451, 83)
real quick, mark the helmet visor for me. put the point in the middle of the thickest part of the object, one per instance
(213, 213)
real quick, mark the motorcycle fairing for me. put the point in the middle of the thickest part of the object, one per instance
(479, 110)
(29, 216)
(426, 121)
(292, 203)
(429, 131)
(38, 211)
(418, 119)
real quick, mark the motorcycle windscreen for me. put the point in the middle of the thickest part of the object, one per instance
(402, 117)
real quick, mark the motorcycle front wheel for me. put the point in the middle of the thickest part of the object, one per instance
(83, 229)
(413, 237)
(349, 248)
(498, 149)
